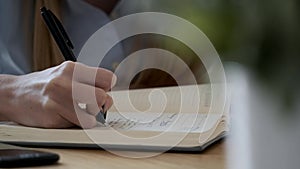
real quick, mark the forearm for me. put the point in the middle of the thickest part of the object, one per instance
(6, 88)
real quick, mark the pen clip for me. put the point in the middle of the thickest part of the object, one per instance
(62, 30)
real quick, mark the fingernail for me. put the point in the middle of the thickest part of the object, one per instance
(104, 108)
(113, 80)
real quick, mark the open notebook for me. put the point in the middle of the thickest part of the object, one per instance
(170, 118)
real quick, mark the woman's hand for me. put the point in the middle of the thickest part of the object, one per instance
(50, 98)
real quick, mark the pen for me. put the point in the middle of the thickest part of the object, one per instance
(64, 44)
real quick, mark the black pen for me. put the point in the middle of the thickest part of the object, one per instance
(64, 44)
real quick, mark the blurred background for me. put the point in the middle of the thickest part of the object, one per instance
(258, 43)
(261, 35)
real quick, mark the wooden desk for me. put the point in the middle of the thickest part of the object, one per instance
(212, 158)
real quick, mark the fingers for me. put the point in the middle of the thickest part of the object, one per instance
(83, 119)
(94, 98)
(83, 93)
(108, 103)
(94, 109)
(79, 92)
(72, 83)
(98, 77)
(79, 117)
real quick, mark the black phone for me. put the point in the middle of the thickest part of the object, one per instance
(26, 158)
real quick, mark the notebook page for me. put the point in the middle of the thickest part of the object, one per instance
(186, 99)
(173, 122)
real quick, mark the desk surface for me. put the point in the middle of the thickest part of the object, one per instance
(212, 158)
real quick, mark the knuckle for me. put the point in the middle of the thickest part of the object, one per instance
(67, 67)
(106, 76)
(56, 80)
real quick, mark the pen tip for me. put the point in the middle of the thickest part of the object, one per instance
(100, 118)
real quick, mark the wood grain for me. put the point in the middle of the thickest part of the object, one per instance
(212, 158)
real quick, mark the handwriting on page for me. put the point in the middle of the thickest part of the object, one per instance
(176, 122)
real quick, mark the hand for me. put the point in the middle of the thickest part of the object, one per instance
(49, 99)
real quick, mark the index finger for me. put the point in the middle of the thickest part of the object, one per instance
(98, 77)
